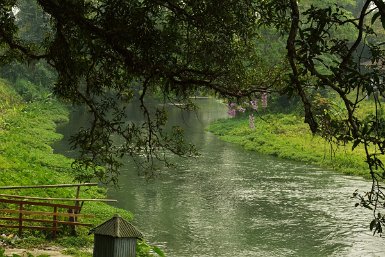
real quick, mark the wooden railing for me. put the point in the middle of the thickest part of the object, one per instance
(20, 212)
(59, 210)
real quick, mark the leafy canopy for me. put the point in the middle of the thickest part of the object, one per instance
(110, 52)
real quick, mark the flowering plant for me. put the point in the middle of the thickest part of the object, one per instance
(233, 108)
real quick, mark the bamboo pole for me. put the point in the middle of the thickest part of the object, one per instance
(28, 227)
(49, 186)
(56, 199)
(47, 221)
(23, 201)
(44, 213)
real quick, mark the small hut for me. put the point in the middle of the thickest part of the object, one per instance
(115, 238)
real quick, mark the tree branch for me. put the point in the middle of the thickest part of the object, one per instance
(292, 56)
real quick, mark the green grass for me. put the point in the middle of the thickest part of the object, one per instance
(26, 158)
(287, 136)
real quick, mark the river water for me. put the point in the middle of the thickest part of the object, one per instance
(231, 202)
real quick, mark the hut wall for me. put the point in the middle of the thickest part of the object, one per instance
(103, 246)
(125, 247)
(106, 246)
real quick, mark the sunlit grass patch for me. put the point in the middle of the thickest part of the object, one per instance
(287, 136)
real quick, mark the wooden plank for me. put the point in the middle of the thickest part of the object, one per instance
(28, 227)
(59, 214)
(48, 221)
(75, 223)
(39, 204)
(56, 199)
(49, 186)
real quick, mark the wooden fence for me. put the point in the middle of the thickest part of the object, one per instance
(27, 212)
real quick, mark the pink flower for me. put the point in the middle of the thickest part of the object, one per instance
(254, 104)
(251, 121)
(241, 109)
(232, 112)
(232, 109)
(264, 99)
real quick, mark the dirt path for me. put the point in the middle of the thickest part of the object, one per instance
(52, 251)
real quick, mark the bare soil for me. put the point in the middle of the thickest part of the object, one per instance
(50, 251)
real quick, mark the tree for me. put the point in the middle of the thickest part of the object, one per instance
(32, 26)
(310, 43)
(107, 51)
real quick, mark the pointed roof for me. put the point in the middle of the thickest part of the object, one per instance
(117, 227)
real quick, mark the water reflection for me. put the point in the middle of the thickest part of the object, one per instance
(231, 202)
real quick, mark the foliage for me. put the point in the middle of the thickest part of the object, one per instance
(76, 253)
(146, 250)
(346, 77)
(106, 52)
(8, 98)
(285, 136)
(33, 26)
(26, 158)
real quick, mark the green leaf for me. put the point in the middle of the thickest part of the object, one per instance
(355, 144)
(365, 129)
(158, 251)
(379, 228)
(372, 224)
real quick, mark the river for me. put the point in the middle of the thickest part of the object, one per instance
(231, 202)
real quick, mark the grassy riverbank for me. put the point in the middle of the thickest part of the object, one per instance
(287, 136)
(27, 131)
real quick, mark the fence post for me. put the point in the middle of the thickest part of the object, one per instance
(54, 222)
(75, 211)
(77, 201)
(20, 219)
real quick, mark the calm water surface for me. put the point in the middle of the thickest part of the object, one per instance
(231, 202)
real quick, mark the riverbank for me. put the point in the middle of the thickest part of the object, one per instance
(287, 136)
(27, 131)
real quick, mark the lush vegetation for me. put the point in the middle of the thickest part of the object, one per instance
(27, 130)
(286, 136)
(107, 52)
(279, 130)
